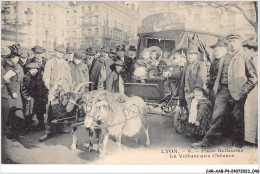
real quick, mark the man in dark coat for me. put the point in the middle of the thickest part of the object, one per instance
(220, 50)
(194, 74)
(129, 61)
(100, 69)
(79, 70)
(35, 94)
(236, 77)
(38, 57)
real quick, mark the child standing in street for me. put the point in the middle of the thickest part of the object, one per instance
(200, 114)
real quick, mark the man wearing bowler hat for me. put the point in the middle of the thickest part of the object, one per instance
(194, 74)
(236, 77)
(38, 57)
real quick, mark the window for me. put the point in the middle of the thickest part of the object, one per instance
(68, 33)
(75, 22)
(68, 12)
(43, 4)
(83, 9)
(82, 42)
(89, 32)
(96, 31)
(75, 11)
(68, 22)
(49, 6)
(96, 7)
(74, 34)
(89, 8)
(83, 32)
(49, 18)
(96, 42)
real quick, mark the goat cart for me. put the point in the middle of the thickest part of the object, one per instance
(169, 31)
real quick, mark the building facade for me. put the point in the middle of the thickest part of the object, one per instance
(47, 24)
(102, 24)
(80, 25)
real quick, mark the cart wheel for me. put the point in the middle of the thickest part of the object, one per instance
(180, 120)
(169, 108)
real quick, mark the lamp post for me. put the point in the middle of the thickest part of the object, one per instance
(46, 35)
(14, 23)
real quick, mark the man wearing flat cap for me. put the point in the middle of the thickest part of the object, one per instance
(35, 94)
(236, 77)
(79, 70)
(57, 74)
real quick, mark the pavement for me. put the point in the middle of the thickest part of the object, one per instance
(167, 147)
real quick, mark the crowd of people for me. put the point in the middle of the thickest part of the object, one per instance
(223, 96)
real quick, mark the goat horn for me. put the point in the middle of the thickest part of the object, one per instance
(80, 86)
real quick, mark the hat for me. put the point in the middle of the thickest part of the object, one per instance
(200, 89)
(118, 47)
(90, 51)
(5, 51)
(132, 48)
(38, 50)
(15, 49)
(106, 49)
(119, 63)
(24, 54)
(233, 36)
(78, 55)
(60, 49)
(33, 66)
(69, 50)
(112, 50)
(220, 43)
(192, 49)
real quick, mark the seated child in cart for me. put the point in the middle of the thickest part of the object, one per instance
(199, 115)
(144, 68)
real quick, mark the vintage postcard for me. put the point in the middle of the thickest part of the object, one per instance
(129, 82)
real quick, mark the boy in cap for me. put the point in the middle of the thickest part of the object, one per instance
(79, 70)
(236, 77)
(199, 114)
(35, 94)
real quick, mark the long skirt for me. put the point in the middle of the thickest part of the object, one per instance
(251, 116)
